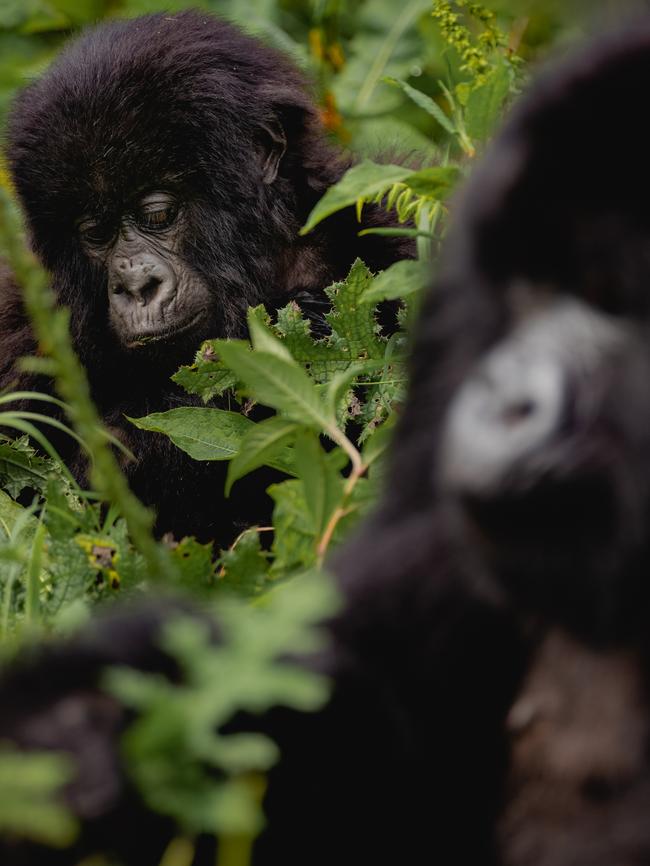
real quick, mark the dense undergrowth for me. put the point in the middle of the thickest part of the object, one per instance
(429, 76)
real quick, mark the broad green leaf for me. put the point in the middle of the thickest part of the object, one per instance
(363, 181)
(398, 281)
(277, 383)
(425, 102)
(294, 540)
(265, 444)
(204, 434)
(485, 103)
(322, 484)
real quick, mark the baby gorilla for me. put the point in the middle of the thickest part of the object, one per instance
(165, 166)
(490, 663)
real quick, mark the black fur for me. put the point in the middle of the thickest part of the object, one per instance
(184, 101)
(491, 663)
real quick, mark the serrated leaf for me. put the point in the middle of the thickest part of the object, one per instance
(277, 383)
(342, 381)
(365, 180)
(204, 434)
(377, 445)
(194, 564)
(207, 377)
(398, 281)
(21, 467)
(354, 327)
(244, 568)
(265, 444)
(261, 337)
(425, 102)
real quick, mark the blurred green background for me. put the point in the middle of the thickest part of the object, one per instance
(347, 46)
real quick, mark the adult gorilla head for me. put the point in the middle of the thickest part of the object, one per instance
(165, 165)
(538, 416)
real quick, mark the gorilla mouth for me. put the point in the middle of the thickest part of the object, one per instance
(553, 515)
(146, 338)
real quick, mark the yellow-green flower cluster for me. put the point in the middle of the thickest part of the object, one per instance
(474, 52)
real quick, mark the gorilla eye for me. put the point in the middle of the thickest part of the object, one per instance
(96, 234)
(157, 212)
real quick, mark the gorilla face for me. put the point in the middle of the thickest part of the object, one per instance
(545, 456)
(165, 165)
(153, 294)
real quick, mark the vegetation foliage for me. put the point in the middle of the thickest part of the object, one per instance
(425, 76)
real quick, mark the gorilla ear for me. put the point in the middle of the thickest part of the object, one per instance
(273, 146)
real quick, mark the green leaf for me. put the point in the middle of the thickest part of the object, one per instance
(294, 540)
(277, 383)
(354, 327)
(485, 103)
(396, 233)
(11, 512)
(322, 484)
(21, 467)
(265, 444)
(245, 566)
(342, 381)
(363, 181)
(30, 790)
(207, 377)
(398, 281)
(204, 434)
(425, 102)
(262, 338)
(436, 183)
(379, 442)
(387, 41)
(194, 564)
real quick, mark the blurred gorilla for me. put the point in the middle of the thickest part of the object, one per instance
(165, 166)
(491, 661)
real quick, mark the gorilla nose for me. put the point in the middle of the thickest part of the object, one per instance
(142, 279)
(511, 408)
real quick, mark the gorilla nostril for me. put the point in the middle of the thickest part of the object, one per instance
(519, 411)
(599, 789)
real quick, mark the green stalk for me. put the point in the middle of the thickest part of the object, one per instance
(50, 323)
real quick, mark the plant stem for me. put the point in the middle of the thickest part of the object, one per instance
(50, 323)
